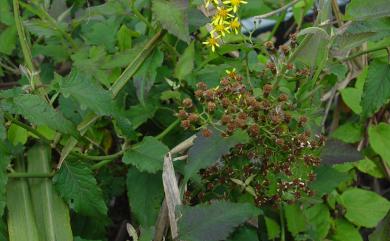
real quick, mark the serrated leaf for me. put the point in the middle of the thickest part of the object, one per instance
(88, 93)
(364, 208)
(145, 192)
(295, 219)
(4, 161)
(213, 222)
(147, 156)
(145, 77)
(176, 22)
(77, 185)
(363, 9)
(49, 209)
(379, 137)
(207, 150)
(39, 112)
(377, 88)
(345, 231)
(185, 64)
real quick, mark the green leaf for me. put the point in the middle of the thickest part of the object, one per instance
(124, 37)
(382, 231)
(3, 230)
(313, 49)
(336, 152)
(8, 40)
(49, 209)
(145, 192)
(139, 114)
(356, 33)
(352, 97)
(6, 16)
(345, 231)
(77, 185)
(4, 162)
(364, 208)
(87, 93)
(363, 9)
(173, 16)
(379, 137)
(21, 222)
(327, 180)
(273, 229)
(82, 239)
(3, 131)
(96, 32)
(213, 222)
(318, 218)
(244, 233)
(295, 219)
(17, 135)
(39, 112)
(147, 156)
(185, 65)
(207, 150)
(145, 77)
(370, 167)
(377, 88)
(348, 133)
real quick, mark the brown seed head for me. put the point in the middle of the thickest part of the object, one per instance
(211, 106)
(185, 124)
(267, 88)
(193, 117)
(187, 103)
(201, 85)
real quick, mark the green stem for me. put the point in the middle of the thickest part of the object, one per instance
(140, 16)
(28, 128)
(101, 164)
(24, 44)
(364, 52)
(99, 158)
(168, 129)
(136, 63)
(30, 175)
(282, 224)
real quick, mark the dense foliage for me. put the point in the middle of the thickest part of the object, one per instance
(194, 120)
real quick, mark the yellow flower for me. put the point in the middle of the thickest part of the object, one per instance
(235, 3)
(221, 28)
(231, 73)
(212, 42)
(235, 25)
(221, 15)
(211, 1)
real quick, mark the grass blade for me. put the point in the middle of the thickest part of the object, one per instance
(50, 210)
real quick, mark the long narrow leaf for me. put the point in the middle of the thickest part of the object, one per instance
(50, 210)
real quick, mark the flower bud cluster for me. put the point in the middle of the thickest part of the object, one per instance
(276, 165)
